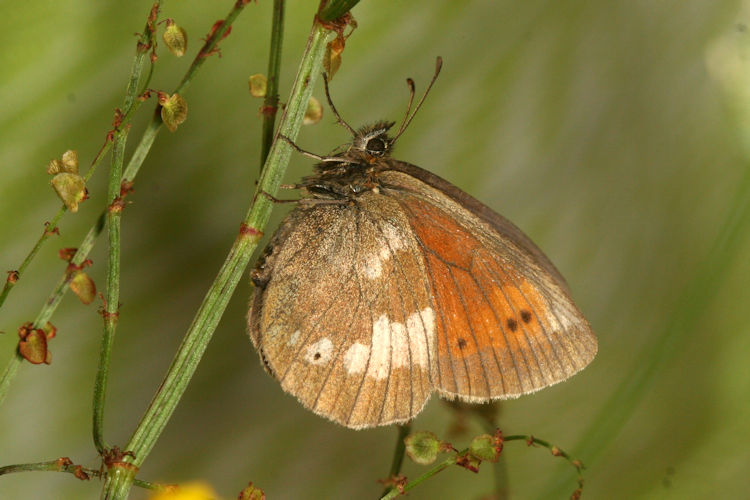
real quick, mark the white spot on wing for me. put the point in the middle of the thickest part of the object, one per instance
(294, 338)
(320, 352)
(394, 240)
(421, 328)
(395, 345)
(380, 359)
(355, 358)
(400, 354)
(560, 316)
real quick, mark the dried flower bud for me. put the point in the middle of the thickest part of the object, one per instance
(68, 163)
(175, 38)
(84, 287)
(33, 347)
(486, 447)
(54, 166)
(313, 113)
(71, 189)
(252, 492)
(173, 110)
(332, 60)
(258, 85)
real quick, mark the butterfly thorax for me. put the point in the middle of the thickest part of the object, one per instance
(348, 174)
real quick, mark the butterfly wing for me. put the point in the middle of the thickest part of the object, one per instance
(505, 322)
(343, 317)
(363, 308)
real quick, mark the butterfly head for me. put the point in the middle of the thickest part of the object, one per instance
(373, 140)
(353, 171)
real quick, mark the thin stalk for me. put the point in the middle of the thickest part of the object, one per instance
(114, 216)
(334, 9)
(271, 101)
(398, 453)
(208, 315)
(9, 373)
(111, 306)
(62, 465)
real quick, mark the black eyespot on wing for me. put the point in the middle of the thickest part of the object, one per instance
(526, 316)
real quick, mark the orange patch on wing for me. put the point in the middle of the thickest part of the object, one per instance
(492, 328)
(522, 313)
(440, 233)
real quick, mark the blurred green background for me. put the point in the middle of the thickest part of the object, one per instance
(614, 133)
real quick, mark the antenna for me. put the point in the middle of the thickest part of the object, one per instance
(339, 120)
(408, 118)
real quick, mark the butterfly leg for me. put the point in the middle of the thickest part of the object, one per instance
(308, 153)
(273, 199)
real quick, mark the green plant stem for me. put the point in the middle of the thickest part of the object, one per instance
(334, 9)
(398, 454)
(531, 440)
(112, 300)
(271, 101)
(9, 373)
(57, 466)
(114, 216)
(208, 315)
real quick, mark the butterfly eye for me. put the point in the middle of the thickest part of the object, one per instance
(377, 146)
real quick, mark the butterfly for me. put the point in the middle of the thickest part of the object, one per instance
(387, 283)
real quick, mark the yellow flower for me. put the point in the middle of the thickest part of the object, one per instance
(189, 491)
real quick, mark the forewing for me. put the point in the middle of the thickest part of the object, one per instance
(345, 321)
(505, 323)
